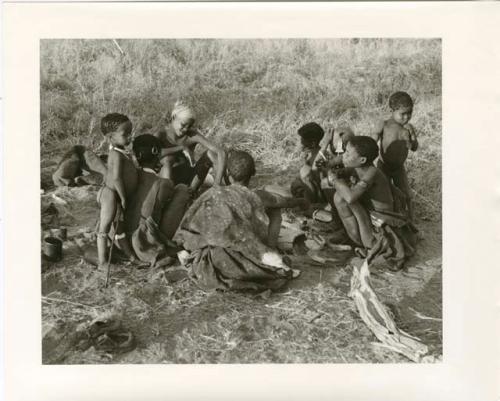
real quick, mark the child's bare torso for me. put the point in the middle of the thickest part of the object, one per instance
(394, 144)
(128, 174)
(168, 139)
(378, 194)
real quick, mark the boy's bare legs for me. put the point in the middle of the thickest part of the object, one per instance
(108, 201)
(174, 212)
(401, 181)
(123, 242)
(348, 219)
(109, 207)
(364, 224)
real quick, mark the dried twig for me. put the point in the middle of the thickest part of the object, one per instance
(50, 299)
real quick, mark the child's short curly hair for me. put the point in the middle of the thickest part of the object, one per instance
(110, 122)
(311, 132)
(240, 165)
(146, 148)
(366, 147)
(400, 99)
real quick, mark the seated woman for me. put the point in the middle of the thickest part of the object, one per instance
(179, 140)
(231, 231)
(156, 208)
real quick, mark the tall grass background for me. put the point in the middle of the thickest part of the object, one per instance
(249, 94)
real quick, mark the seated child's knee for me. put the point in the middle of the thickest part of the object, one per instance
(167, 186)
(165, 190)
(338, 200)
(305, 172)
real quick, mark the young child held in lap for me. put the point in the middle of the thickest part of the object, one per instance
(120, 182)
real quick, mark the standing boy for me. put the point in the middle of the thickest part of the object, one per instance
(396, 137)
(120, 182)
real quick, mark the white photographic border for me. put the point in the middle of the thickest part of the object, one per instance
(471, 107)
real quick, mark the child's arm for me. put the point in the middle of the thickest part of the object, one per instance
(171, 150)
(275, 201)
(221, 155)
(326, 142)
(166, 168)
(115, 165)
(412, 137)
(352, 194)
(378, 130)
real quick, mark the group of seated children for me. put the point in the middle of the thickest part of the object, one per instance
(173, 150)
(338, 170)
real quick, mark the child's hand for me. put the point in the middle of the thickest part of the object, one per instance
(413, 142)
(321, 163)
(342, 172)
(410, 128)
(328, 138)
(332, 177)
(329, 135)
(411, 132)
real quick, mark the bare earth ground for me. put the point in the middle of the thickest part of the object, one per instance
(311, 321)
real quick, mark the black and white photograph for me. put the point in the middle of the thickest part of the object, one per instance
(241, 201)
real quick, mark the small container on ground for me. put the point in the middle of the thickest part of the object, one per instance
(52, 249)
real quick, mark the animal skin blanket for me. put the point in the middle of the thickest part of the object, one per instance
(225, 231)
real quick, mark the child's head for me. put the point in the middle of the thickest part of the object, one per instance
(310, 135)
(240, 166)
(360, 151)
(146, 149)
(117, 127)
(401, 105)
(182, 119)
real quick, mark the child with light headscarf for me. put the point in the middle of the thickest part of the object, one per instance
(179, 140)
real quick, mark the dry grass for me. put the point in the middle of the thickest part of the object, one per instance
(251, 94)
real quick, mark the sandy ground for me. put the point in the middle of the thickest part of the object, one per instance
(311, 320)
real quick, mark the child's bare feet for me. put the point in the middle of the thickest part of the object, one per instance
(102, 266)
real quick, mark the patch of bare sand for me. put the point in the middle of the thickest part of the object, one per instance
(312, 320)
